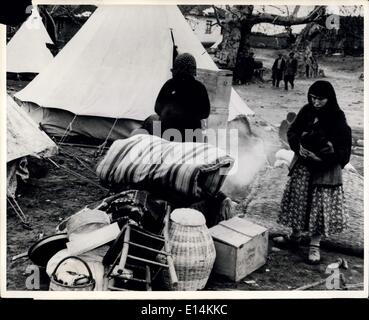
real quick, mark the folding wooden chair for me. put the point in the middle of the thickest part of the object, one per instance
(133, 267)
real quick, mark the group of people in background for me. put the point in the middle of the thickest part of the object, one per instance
(285, 69)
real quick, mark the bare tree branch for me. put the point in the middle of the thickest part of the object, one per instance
(278, 8)
(289, 20)
(295, 11)
(234, 13)
(53, 9)
(216, 16)
(69, 13)
(351, 10)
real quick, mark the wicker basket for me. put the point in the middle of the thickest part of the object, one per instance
(193, 254)
(56, 286)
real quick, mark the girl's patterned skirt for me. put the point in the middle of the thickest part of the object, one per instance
(316, 209)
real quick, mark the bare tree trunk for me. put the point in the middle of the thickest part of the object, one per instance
(307, 35)
(229, 46)
(236, 30)
(242, 52)
(303, 46)
(235, 48)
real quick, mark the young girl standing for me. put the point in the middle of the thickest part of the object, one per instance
(313, 199)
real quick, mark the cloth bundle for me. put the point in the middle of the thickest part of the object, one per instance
(152, 163)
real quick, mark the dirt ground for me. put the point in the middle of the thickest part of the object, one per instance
(49, 199)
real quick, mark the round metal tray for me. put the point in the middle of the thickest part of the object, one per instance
(41, 252)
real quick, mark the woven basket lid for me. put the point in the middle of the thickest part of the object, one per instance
(188, 217)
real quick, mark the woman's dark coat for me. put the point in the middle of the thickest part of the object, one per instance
(332, 125)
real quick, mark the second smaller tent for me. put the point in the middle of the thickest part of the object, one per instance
(27, 51)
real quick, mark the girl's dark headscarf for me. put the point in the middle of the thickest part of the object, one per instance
(324, 89)
(331, 116)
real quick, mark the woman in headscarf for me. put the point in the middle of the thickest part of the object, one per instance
(182, 101)
(313, 199)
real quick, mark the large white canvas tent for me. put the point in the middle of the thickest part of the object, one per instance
(106, 79)
(26, 51)
(24, 139)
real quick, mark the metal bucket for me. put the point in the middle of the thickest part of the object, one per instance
(57, 286)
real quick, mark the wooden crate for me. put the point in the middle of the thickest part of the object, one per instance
(241, 247)
(219, 85)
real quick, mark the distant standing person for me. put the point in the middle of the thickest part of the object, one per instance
(313, 199)
(291, 70)
(278, 70)
(249, 67)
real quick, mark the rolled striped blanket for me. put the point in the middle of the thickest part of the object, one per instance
(191, 169)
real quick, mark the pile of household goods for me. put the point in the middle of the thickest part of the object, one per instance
(152, 233)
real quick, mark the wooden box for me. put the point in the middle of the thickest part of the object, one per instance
(241, 247)
(219, 85)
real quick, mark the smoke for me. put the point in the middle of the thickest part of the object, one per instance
(251, 157)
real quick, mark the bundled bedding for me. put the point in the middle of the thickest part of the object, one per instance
(149, 162)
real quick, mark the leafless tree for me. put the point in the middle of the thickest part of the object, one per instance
(239, 20)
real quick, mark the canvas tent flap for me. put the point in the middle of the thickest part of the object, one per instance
(26, 51)
(55, 123)
(117, 62)
(23, 136)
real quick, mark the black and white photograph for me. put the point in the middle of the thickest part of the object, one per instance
(215, 150)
